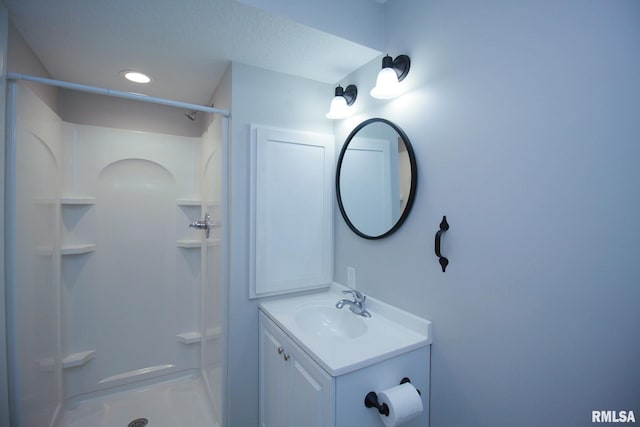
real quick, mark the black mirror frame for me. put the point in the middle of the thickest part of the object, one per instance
(412, 189)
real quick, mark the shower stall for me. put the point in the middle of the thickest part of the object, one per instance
(116, 307)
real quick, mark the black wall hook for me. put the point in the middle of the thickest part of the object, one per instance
(444, 226)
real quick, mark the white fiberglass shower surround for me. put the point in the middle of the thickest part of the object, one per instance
(116, 309)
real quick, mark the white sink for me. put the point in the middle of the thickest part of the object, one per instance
(340, 340)
(324, 321)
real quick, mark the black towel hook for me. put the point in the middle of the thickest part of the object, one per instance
(444, 226)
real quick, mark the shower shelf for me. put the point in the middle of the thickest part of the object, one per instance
(189, 202)
(196, 337)
(197, 202)
(78, 200)
(189, 244)
(189, 337)
(78, 359)
(196, 244)
(67, 250)
(67, 200)
(78, 249)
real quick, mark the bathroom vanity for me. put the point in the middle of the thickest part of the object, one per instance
(317, 362)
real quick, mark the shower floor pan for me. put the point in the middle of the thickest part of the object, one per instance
(177, 402)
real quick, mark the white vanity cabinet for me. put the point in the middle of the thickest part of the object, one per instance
(294, 390)
(317, 363)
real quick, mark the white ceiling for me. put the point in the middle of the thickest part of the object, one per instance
(185, 45)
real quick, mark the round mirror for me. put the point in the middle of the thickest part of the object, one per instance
(376, 178)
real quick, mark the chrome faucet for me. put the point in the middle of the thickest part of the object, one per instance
(357, 305)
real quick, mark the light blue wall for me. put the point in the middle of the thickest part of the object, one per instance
(21, 59)
(266, 98)
(525, 120)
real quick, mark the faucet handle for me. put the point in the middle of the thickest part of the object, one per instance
(357, 296)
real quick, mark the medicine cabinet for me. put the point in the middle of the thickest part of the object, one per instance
(291, 210)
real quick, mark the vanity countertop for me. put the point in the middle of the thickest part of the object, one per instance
(341, 341)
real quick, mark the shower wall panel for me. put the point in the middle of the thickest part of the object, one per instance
(213, 297)
(111, 286)
(36, 375)
(133, 301)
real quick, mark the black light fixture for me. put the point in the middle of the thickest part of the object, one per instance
(340, 103)
(392, 73)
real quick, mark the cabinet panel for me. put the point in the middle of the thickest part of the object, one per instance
(312, 393)
(272, 378)
(294, 390)
(351, 388)
(291, 210)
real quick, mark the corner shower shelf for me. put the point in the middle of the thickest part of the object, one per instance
(189, 244)
(189, 337)
(196, 244)
(78, 359)
(78, 249)
(67, 250)
(196, 337)
(78, 200)
(197, 202)
(189, 202)
(67, 200)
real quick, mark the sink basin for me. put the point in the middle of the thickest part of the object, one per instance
(324, 321)
(340, 340)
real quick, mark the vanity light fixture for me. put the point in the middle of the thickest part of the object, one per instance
(135, 76)
(340, 103)
(392, 73)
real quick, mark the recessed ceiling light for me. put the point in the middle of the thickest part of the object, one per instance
(135, 76)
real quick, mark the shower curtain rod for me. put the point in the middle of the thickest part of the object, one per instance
(117, 93)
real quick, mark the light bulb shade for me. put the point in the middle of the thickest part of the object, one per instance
(338, 109)
(387, 85)
(389, 78)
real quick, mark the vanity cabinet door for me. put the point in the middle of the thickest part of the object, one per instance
(273, 376)
(312, 392)
(294, 390)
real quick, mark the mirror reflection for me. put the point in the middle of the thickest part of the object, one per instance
(376, 178)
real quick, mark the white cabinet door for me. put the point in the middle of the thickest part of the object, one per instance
(294, 390)
(273, 373)
(291, 198)
(312, 393)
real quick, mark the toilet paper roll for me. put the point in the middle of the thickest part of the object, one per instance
(404, 404)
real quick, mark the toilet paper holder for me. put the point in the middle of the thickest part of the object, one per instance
(371, 400)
